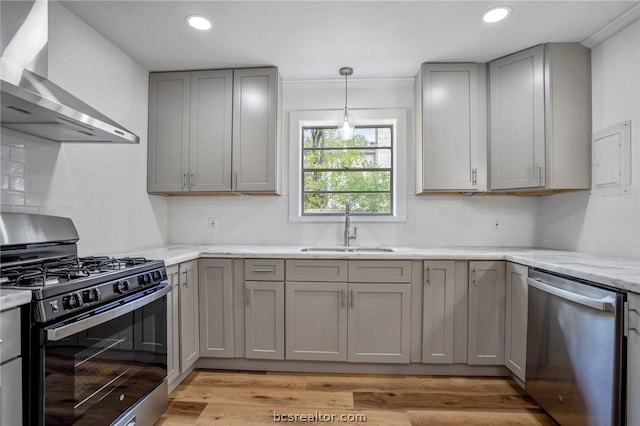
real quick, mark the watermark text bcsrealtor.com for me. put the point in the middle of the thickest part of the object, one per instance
(318, 417)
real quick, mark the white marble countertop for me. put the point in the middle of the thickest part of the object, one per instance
(10, 298)
(615, 272)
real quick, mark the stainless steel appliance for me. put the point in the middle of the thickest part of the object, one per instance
(95, 334)
(32, 104)
(576, 350)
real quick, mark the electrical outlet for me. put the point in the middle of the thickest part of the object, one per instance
(212, 223)
(496, 224)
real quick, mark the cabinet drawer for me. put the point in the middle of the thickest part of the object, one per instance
(10, 334)
(317, 270)
(264, 270)
(379, 271)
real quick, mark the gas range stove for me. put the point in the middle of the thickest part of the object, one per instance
(94, 337)
(62, 283)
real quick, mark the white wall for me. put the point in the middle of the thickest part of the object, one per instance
(604, 225)
(102, 187)
(431, 221)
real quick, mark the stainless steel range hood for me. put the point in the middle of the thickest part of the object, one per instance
(30, 102)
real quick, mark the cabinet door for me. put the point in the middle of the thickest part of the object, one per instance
(168, 152)
(264, 319)
(11, 393)
(189, 335)
(210, 130)
(316, 321)
(255, 156)
(486, 313)
(517, 120)
(438, 312)
(633, 360)
(449, 126)
(216, 308)
(516, 320)
(173, 324)
(379, 322)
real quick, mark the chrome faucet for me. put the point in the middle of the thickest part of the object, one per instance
(347, 225)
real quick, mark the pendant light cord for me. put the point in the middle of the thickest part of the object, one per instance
(346, 92)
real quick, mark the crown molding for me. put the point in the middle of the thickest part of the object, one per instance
(613, 27)
(353, 83)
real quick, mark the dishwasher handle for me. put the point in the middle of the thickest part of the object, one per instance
(605, 305)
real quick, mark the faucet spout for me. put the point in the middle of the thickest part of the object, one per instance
(348, 236)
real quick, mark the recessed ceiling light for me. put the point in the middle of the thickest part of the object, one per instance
(496, 14)
(198, 22)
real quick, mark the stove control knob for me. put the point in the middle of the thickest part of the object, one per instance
(72, 301)
(157, 275)
(92, 295)
(121, 287)
(144, 279)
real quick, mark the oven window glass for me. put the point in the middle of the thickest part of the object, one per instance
(94, 376)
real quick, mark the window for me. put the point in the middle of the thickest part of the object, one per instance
(358, 171)
(386, 156)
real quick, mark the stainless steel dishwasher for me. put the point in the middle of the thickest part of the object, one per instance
(576, 350)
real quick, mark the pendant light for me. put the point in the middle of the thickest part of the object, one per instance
(346, 123)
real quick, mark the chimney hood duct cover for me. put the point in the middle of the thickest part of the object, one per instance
(39, 107)
(30, 102)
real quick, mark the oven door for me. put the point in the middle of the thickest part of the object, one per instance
(99, 364)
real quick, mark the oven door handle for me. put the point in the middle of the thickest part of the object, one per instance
(61, 330)
(604, 304)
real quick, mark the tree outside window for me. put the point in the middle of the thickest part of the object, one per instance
(359, 171)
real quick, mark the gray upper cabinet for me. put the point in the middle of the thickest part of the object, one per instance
(450, 105)
(168, 152)
(214, 131)
(540, 124)
(255, 130)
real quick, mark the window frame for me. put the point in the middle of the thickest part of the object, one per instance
(397, 118)
(391, 170)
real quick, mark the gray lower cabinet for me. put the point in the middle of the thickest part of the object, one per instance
(366, 319)
(379, 322)
(264, 319)
(189, 335)
(633, 360)
(316, 321)
(486, 312)
(10, 368)
(216, 308)
(516, 319)
(438, 312)
(173, 324)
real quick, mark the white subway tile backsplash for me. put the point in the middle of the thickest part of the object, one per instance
(4, 182)
(12, 198)
(12, 168)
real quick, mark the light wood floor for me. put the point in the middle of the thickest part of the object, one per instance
(257, 398)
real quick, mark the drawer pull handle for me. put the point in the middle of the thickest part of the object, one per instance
(263, 270)
(427, 275)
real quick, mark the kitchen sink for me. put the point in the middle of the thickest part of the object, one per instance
(349, 249)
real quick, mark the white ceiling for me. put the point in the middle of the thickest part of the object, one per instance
(313, 39)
